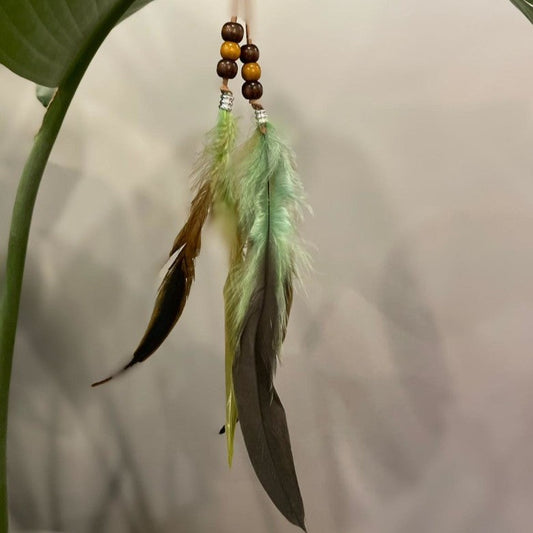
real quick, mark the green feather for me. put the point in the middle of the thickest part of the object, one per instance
(258, 296)
(264, 162)
(231, 340)
(213, 163)
(225, 212)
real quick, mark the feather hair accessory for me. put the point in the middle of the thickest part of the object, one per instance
(258, 297)
(261, 196)
(211, 181)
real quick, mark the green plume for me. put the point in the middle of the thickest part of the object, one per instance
(225, 210)
(258, 295)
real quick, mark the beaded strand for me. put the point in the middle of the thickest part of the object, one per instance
(232, 34)
(252, 89)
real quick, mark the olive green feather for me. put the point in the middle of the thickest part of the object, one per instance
(231, 339)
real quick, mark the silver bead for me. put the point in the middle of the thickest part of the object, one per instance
(261, 117)
(226, 101)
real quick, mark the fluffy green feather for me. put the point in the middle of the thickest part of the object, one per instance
(258, 296)
(225, 213)
(262, 160)
(213, 164)
(270, 203)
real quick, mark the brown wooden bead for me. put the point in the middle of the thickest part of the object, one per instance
(252, 90)
(227, 69)
(249, 53)
(251, 71)
(230, 50)
(233, 32)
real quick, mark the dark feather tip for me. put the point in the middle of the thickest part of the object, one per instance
(261, 413)
(101, 382)
(222, 430)
(116, 374)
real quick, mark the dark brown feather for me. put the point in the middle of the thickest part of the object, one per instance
(261, 414)
(176, 285)
(288, 305)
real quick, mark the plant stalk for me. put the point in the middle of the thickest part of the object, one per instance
(16, 255)
(20, 227)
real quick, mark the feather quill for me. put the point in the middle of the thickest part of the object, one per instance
(258, 296)
(210, 170)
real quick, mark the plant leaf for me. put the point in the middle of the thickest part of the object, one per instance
(526, 8)
(41, 39)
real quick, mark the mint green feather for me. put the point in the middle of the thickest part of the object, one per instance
(258, 296)
(265, 162)
(263, 159)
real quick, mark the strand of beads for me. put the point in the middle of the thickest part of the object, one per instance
(232, 33)
(251, 72)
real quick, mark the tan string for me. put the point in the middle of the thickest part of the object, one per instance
(234, 10)
(248, 17)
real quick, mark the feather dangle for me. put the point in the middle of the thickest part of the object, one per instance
(255, 190)
(258, 297)
(210, 177)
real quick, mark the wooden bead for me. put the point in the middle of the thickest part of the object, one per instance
(251, 71)
(252, 90)
(230, 50)
(233, 32)
(249, 53)
(227, 69)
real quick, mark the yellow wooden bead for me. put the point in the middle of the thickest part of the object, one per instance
(251, 71)
(230, 50)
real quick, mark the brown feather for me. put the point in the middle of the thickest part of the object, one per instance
(261, 414)
(174, 290)
(288, 305)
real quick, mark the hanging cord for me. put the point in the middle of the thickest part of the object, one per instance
(248, 17)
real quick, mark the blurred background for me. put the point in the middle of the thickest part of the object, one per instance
(407, 370)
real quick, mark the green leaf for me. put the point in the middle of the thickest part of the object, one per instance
(50, 42)
(526, 8)
(41, 40)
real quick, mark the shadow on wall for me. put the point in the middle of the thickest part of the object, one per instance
(140, 454)
(84, 459)
(380, 407)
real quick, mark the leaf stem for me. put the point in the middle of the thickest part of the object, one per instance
(20, 227)
(16, 255)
